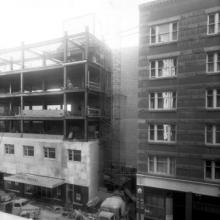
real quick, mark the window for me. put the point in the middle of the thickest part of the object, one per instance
(161, 165)
(213, 62)
(162, 133)
(49, 152)
(213, 23)
(162, 100)
(212, 170)
(213, 98)
(9, 149)
(212, 134)
(78, 193)
(163, 68)
(74, 155)
(28, 151)
(164, 33)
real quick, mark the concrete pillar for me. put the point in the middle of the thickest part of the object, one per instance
(64, 83)
(22, 103)
(21, 113)
(22, 55)
(188, 206)
(86, 85)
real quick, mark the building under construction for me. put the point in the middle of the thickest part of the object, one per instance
(55, 107)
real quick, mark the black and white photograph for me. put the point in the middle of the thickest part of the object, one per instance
(110, 110)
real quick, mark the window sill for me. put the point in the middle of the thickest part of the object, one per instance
(213, 73)
(46, 158)
(161, 174)
(162, 142)
(163, 43)
(162, 110)
(167, 77)
(212, 145)
(74, 161)
(212, 34)
(212, 109)
(212, 180)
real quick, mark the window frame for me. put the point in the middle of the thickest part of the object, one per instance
(214, 96)
(9, 149)
(155, 132)
(27, 150)
(213, 171)
(216, 23)
(73, 154)
(215, 61)
(47, 152)
(156, 101)
(156, 68)
(214, 135)
(169, 33)
(168, 163)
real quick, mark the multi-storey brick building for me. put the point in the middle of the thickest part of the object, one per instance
(179, 110)
(54, 108)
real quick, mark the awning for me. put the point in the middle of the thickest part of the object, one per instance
(35, 180)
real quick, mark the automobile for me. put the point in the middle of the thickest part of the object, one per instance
(23, 207)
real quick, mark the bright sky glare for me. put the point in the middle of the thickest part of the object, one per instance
(37, 20)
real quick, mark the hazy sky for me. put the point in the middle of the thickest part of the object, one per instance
(36, 20)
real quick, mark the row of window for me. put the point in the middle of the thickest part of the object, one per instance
(167, 133)
(49, 152)
(168, 100)
(167, 67)
(163, 165)
(168, 32)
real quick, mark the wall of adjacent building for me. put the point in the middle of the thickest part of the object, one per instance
(129, 82)
(191, 83)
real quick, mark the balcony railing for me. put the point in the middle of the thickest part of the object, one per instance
(94, 85)
(5, 111)
(43, 113)
(93, 111)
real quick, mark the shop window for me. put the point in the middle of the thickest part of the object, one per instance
(13, 186)
(29, 189)
(70, 192)
(155, 206)
(57, 192)
(77, 194)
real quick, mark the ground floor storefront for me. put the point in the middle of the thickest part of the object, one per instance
(45, 189)
(161, 204)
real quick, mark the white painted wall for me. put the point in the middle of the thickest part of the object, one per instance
(84, 173)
